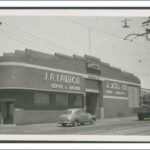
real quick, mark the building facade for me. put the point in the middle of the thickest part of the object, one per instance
(36, 87)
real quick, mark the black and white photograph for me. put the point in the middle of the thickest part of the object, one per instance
(67, 74)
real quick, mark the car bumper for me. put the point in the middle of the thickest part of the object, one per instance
(65, 122)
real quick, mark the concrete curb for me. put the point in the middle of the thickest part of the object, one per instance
(99, 120)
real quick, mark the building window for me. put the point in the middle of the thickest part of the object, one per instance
(41, 98)
(62, 100)
(78, 101)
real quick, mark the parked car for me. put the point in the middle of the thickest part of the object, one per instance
(75, 117)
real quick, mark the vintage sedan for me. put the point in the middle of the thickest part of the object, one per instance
(76, 117)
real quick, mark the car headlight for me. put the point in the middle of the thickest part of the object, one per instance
(69, 117)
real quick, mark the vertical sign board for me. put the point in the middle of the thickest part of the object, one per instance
(64, 82)
(112, 88)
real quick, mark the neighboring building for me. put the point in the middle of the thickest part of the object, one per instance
(36, 87)
(144, 91)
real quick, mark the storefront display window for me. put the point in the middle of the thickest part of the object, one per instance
(41, 98)
(78, 101)
(61, 100)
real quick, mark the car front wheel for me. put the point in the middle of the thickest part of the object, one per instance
(92, 121)
(75, 124)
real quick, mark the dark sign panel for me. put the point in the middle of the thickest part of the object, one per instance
(39, 79)
(115, 88)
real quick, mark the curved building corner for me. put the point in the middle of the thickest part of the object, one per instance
(36, 87)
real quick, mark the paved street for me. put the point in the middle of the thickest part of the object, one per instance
(117, 126)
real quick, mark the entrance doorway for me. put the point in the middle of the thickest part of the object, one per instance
(92, 104)
(6, 112)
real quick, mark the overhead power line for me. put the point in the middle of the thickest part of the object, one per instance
(50, 43)
(93, 28)
(54, 44)
(24, 39)
(13, 37)
(102, 31)
(19, 40)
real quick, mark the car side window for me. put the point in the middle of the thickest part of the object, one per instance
(82, 111)
(79, 112)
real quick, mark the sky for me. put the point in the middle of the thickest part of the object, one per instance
(71, 35)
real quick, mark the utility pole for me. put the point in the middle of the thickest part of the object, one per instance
(146, 34)
(89, 39)
(125, 23)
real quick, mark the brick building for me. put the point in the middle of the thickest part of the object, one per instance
(36, 87)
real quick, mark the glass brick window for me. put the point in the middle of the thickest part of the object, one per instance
(78, 101)
(41, 98)
(62, 100)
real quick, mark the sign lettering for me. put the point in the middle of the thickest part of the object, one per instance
(62, 78)
(115, 88)
(62, 81)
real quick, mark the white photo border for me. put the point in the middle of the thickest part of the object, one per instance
(4, 10)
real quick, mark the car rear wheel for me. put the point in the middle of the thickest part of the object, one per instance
(92, 121)
(140, 116)
(63, 124)
(82, 123)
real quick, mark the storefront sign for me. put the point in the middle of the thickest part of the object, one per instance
(115, 88)
(62, 78)
(63, 81)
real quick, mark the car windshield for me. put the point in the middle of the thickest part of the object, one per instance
(68, 112)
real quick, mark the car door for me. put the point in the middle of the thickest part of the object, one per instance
(80, 116)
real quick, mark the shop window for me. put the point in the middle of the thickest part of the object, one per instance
(62, 100)
(72, 98)
(78, 101)
(75, 100)
(41, 98)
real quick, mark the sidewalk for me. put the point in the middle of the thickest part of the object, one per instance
(54, 124)
(119, 119)
(54, 128)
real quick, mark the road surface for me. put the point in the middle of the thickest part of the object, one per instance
(117, 126)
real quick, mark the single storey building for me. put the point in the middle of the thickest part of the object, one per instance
(36, 87)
